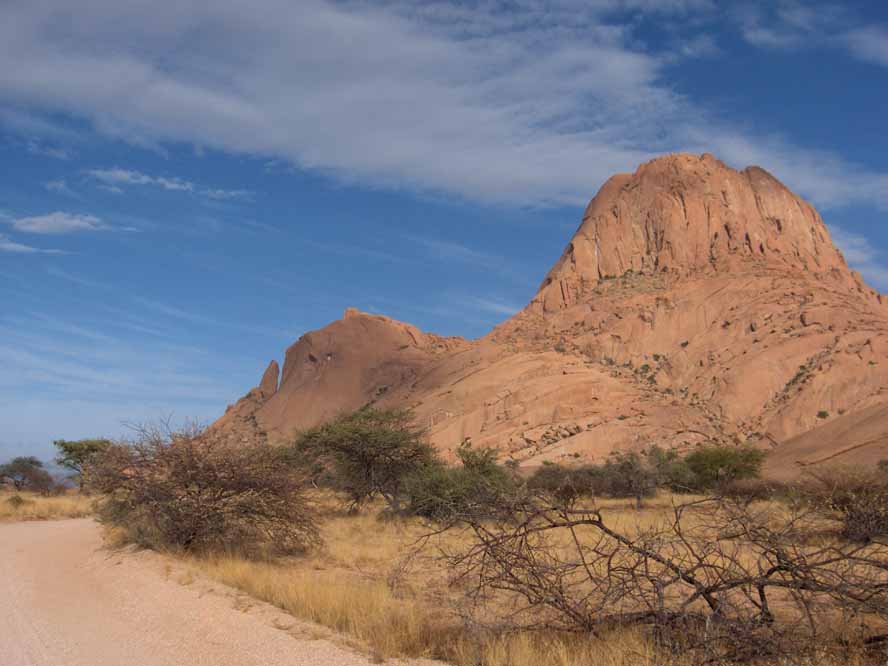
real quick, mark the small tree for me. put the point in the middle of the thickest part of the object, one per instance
(566, 484)
(76, 454)
(629, 475)
(369, 453)
(27, 473)
(715, 465)
(670, 468)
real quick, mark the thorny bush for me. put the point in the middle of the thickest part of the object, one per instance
(713, 579)
(199, 492)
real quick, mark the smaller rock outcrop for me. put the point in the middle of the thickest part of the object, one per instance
(269, 384)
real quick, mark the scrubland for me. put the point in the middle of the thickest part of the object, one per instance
(361, 528)
(384, 584)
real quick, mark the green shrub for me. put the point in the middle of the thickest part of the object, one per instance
(632, 474)
(712, 465)
(479, 486)
(670, 468)
(565, 484)
(366, 454)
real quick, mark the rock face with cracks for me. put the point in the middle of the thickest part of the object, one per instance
(694, 303)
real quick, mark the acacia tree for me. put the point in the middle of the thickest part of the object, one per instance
(77, 454)
(714, 465)
(369, 453)
(26, 473)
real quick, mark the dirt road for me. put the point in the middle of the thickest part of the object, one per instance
(66, 601)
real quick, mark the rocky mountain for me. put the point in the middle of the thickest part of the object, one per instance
(694, 303)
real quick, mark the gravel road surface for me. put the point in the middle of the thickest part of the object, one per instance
(67, 601)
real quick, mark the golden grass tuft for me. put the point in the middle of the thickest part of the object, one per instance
(31, 506)
(366, 611)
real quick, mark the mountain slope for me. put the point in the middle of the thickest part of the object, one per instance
(694, 303)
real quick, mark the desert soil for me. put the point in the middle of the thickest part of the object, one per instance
(66, 600)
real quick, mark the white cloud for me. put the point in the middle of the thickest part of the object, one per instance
(863, 256)
(227, 195)
(112, 179)
(532, 106)
(8, 245)
(869, 44)
(59, 186)
(195, 316)
(58, 223)
(449, 252)
(823, 177)
(792, 25)
(76, 279)
(37, 148)
(30, 123)
(789, 24)
(494, 306)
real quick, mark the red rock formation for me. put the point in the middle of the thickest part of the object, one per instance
(686, 214)
(694, 303)
(269, 384)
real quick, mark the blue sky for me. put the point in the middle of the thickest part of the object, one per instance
(188, 187)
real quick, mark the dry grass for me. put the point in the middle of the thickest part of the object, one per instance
(370, 584)
(392, 625)
(38, 507)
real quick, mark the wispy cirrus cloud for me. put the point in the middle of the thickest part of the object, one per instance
(181, 314)
(58, 223)
(59, 186)
(36, 147)
(195, 316)
(793, 25)
(227, 195)
(9, 245)
(863, 256)
(531, 106)
(788, 24)
(77, 279)
(450, 251)
(494, 306)
(115, 179)
(869, 43)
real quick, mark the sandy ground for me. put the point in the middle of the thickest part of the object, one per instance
(67, 601)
